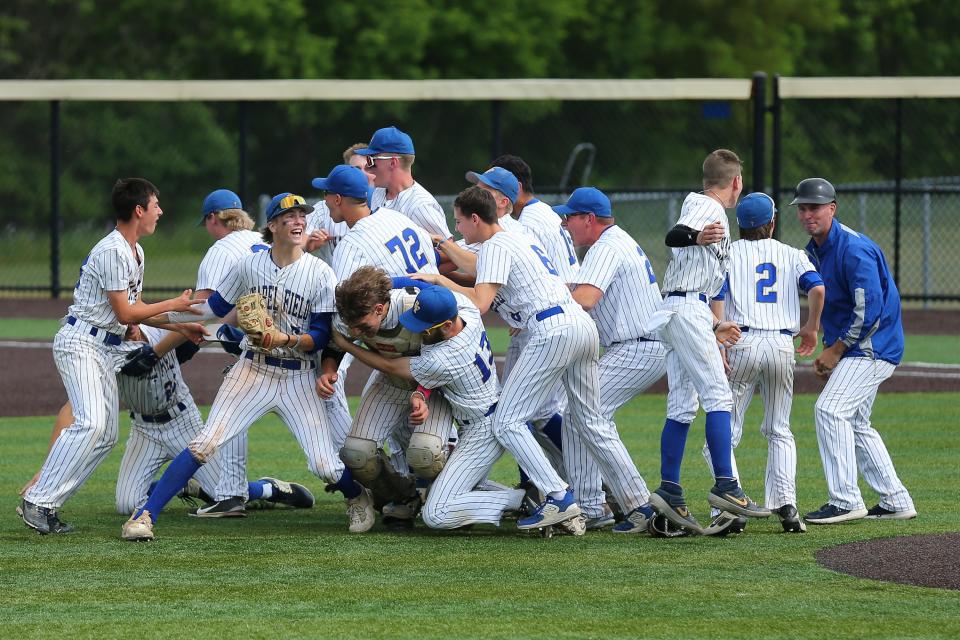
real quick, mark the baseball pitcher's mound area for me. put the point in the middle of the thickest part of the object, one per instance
(931, 560)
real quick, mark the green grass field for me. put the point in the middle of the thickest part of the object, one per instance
(299, 574)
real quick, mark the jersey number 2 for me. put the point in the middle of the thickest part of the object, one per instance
(412, 254)
(764, 285)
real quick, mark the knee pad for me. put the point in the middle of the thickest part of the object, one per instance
(426, 455)
(360, 456)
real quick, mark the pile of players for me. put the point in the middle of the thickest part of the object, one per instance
(373, 273)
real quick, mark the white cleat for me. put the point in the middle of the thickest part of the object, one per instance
(360, 512)
(138, 530)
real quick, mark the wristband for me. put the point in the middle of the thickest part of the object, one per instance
(717, 324)
(424, 392)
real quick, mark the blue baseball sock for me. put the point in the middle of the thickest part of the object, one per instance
(552, 430)
(171, 482)
(255, 489)
(719, 443)
(673, 440)
(347, 485)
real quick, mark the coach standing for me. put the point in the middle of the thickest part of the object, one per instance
(863, 344)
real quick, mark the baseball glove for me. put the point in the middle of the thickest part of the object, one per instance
(139, 362)
(253, 318)
(660, 527)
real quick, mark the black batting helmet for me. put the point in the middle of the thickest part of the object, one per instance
(814, 191)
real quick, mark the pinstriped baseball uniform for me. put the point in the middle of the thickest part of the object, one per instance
(542, 222)
(462, 368)
(563, 346)
(417, 204)
(87, 365)
(164, 418)
(694, 365)
(281, 380)
(763, 297)
(319, 219)
(220, 260)
(386, 239)
(633, 360)
(384, 410)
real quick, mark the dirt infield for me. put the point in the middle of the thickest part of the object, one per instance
(923, 561)
(36, 389)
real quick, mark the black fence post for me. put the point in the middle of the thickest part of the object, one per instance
(897, 197)
(242, 151)
(777, 152)
(54, 199)
(759, 129)
(496, 135)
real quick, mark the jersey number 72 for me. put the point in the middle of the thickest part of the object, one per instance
(411, 252)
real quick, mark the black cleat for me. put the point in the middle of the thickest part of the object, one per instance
(234, 507)
(41, 519)
(290, 493)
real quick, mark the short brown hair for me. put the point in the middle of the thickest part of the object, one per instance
(235, 219)
(361, 292)
(720, 168)
(267, 234)
(477, 200)
(757, 233)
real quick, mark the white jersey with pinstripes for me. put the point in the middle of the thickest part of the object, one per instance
(223, 255)
(764, 284)
(159, 390)
(617, 266)
(386, 239)
(110, 266)
(542, 222)
(461, 366)
(530, 282)
(319, 219)
(418, 205)
(699, 269)
(292, 293)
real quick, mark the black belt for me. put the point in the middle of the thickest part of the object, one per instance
(785, 332)
(108, 338)
(489, 412)
(683, 294)
(634, 340)
(160, 417)
(546, 313)
(293, 364)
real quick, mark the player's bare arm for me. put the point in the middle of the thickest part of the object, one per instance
(808, 332)
(827, 361)
(587, 296)
(684, 236)
(465, 260)
(481, 295)
(140, 311)
(399, 367)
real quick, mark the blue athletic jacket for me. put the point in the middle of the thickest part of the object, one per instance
(862, 306)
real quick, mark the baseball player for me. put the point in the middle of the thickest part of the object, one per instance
(689, 331)
(863, 344)
(323, 233)
(454, 360)
(223, 217)
(276, 371)
(106, 299)
(390, 157)
(563, 342)
(761, 296)
(616, 285)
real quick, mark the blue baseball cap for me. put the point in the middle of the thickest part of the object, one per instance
(345, 180)
(219, 200)
(586, 200)
(434, 305)
(286, 201)
(388, 140)
(755, 210)
(497, 178)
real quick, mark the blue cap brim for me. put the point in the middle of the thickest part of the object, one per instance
(412, 323)
(305, 208)
(563, 209)
(366, 151)
(319, 183)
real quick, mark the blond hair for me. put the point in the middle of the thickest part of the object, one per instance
(351, 151)
(720, 168)
(235, 219)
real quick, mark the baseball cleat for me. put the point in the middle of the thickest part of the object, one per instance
(399, 516)
(674, 508)
(790, 520)
(290, 493)
(360, 512)
(832, 514)
(660, 527)
(41, 519)
(727, 495)
(138, 529)
(602, 521)
(234, 507)
(574, 526)
(192, 492)
(551, 511)
(877, 512)
(637, 521)
(725, 523)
